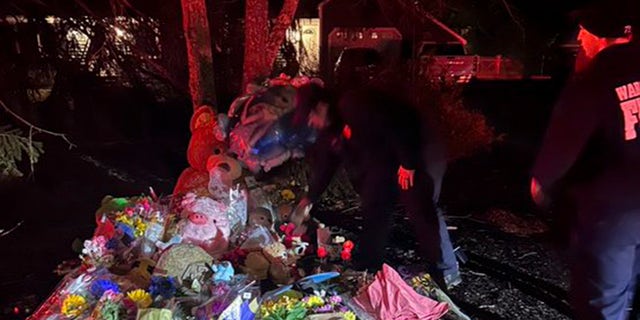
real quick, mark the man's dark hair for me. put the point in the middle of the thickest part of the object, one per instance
(308, 96)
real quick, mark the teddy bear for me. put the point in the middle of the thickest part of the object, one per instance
(207, 139)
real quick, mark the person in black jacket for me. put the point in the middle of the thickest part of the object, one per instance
(591, 154)
(378, 138)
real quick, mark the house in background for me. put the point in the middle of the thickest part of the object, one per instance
(398, 29)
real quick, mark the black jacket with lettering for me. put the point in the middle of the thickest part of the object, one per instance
(591, 151)
(386, 132)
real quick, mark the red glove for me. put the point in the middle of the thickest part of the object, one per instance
(405, 178)
(537, 194)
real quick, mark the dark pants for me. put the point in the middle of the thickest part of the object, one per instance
(606, 263)
(379, 193)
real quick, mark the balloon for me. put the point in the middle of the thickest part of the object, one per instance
(283, 136)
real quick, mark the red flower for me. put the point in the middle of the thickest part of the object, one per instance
(345, 255)
(236, 256)
(145, 204)
(348, 245)
(322, 252)
(288, 242)
(288, 229)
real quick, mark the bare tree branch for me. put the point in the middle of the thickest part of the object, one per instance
(85, 7)
(514, 18)
(35, 128)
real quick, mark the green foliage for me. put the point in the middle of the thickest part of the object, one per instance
(14, 148)
(297, 312)
(112, 311)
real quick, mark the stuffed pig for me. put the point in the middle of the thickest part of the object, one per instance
(205, 223)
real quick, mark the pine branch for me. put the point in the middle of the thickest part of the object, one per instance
(12, 145)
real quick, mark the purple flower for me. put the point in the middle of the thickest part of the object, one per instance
(112, 244)
(163, 286)
(335, 300)
(220, 289)
(324, 309)
(99, 287)
(217, 307)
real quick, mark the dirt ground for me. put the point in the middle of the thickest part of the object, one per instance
(514, 269)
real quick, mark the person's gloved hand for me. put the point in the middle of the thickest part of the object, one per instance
(301, 213)
(405, 178)
(537, 194)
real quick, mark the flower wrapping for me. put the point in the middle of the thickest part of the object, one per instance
(154, 314)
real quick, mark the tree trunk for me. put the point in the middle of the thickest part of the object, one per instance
(198, 38)
(279, 30)
(256, 35)
(261, 46)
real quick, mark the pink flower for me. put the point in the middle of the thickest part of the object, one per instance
(101, 240)
(130, 307)
(110, 295)
(335, 300)
(348, 245)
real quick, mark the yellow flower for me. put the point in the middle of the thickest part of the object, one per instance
(287, 195)
(140, 297)
(141, 227)
(314, 301)
(268, 308)
(287, 302)
(125, 219)
(73, 305)
(284, 302)
(349, 315)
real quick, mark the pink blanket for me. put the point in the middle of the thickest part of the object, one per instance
(390, 298)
